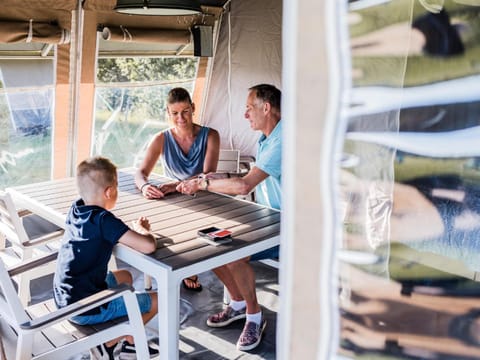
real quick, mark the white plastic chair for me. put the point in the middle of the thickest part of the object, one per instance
(28, 236)
(43, 332)
(229, 161)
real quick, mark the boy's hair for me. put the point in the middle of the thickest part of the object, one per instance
(268, 93)
(94, 175)
(178, 94)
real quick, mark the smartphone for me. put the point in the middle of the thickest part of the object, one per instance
(215, 236)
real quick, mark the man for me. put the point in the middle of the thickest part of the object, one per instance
(263, 113)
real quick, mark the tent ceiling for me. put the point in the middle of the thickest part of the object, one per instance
(108, 5)
(60, 11)
(61, 16)
(40, 4)
(105, 5)
(158, 22)
(112, 19)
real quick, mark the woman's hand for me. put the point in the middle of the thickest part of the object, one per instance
(168, 188)
(151, 191)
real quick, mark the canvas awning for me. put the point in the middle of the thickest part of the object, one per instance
(135, 34)
(32, 31)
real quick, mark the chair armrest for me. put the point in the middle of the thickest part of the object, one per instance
(32, 263)
(23, 212)
(246, 163)
(45, 238)
(77, 308)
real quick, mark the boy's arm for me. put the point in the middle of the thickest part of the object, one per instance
(145, 243)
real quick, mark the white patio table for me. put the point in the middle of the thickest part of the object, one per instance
(175, 221)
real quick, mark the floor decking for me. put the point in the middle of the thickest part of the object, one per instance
(197, 341)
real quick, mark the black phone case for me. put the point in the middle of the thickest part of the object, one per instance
(206, 231)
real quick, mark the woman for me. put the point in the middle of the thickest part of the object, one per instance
(186, 150)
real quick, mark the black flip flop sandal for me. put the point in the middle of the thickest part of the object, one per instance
(194, 279)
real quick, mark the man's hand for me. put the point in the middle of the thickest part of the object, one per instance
(189, 186)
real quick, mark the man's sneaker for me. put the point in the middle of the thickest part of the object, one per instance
(102, 352)
(225, 317)
(128, 351)
(251, 335)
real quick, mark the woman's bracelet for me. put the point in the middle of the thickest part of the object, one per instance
(141, 188)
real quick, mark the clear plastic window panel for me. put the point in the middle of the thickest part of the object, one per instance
(410, 182)
(26, 118)
(130, 102)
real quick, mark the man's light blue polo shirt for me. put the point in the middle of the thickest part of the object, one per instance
(269, 160)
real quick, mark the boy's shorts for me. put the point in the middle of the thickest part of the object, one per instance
(115, 309)
(272, 253)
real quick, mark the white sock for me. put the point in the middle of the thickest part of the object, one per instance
(256, 318)
(238, 305)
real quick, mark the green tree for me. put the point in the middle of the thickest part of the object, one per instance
(117, 70)
(143, 70)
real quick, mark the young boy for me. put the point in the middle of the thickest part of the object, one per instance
(90, 234)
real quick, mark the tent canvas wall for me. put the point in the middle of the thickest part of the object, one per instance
(249, 52)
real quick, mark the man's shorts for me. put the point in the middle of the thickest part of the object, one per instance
(115, 309)
(272, 253)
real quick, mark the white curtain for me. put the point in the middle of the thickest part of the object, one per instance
(256, 57)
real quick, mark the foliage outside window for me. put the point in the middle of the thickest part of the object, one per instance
(26, 118)
(130, 106)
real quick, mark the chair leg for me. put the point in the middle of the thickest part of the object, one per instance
(138, 328)
(147, 279)
(23, 282)
(24, 346)
(3, 240)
